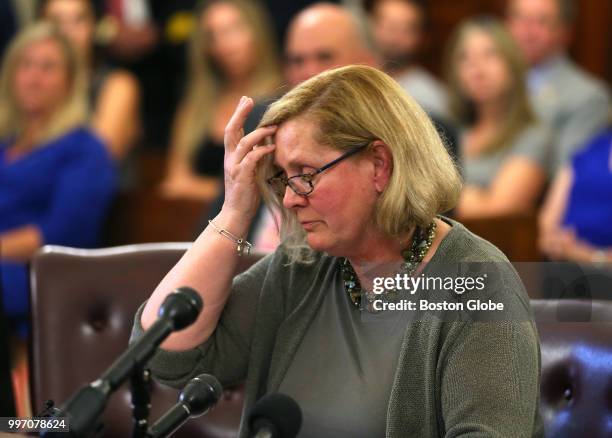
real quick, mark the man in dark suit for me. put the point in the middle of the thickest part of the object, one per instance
(572, 101)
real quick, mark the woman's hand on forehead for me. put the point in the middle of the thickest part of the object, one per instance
(241, 158)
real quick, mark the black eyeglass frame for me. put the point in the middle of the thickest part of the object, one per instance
(308, 177)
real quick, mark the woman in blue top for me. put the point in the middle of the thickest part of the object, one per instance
(575, 220)
(56, 177)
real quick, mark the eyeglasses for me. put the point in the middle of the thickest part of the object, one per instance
(302, 184)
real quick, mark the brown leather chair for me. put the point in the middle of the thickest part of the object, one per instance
(576, 345)
(83, 304)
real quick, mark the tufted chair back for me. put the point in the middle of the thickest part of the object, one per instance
(576, 344)
(83, 305)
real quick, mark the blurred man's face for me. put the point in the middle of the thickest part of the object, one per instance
(537, 27)
(321, 41)
(397, 26)
(308, 58)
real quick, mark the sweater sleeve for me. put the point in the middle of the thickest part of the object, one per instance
(489, 372)
(490, 381)
(490, 376)
(225, 354)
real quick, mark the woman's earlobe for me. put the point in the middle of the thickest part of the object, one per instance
(379, 186)
(383, 164)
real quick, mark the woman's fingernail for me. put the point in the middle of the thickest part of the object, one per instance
(242, 100)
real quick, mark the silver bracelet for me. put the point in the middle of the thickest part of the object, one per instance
(242, 246)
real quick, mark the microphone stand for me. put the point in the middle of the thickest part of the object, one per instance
(179, 310)
(140, 387)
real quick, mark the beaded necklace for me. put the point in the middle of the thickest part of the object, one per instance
(421, 242)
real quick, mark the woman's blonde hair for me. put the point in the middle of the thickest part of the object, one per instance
(73, 111)
(206, 81)
(354, 105)
(519, 113)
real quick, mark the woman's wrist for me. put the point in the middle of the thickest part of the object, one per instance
(234, 222)
(242, 245)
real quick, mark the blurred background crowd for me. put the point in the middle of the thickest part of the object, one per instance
(112, 113)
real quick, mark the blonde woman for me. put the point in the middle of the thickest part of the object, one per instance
(57, 178)
(231, 54)
(114, 94)
(503, 149)
(360, 176)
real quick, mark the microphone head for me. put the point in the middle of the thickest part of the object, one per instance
(201, 394)
(182, 307)
(281, 411)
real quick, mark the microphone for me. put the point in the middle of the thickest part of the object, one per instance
(197, 398)
(275, 416)
(179, 309)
